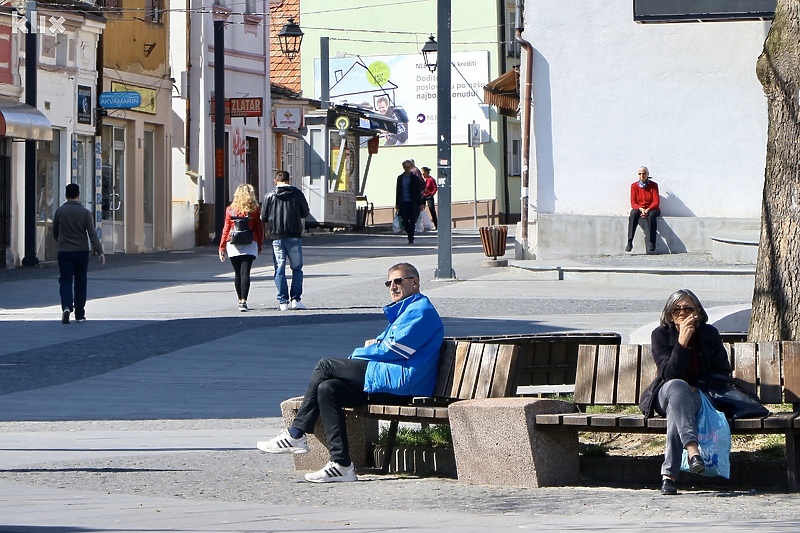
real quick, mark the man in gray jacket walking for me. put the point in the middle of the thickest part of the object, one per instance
(73, 228)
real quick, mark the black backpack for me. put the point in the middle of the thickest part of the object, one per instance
(241, 232)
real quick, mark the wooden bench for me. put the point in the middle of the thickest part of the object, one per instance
(547, 361)
(467, 370)
(616, 376)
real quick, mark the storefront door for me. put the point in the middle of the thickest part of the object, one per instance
(113, 189)
(48, 185)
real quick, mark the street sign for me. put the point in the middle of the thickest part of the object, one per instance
(120, 100)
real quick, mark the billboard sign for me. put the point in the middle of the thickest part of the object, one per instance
(401, 87)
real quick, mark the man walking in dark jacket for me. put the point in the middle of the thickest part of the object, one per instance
(73, 228)
(284, 210)
(408, 198)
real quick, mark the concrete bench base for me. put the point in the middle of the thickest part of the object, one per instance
(496, 442)
(362, 433)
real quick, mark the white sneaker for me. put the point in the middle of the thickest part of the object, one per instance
(284, 443)
(298, 305)
(283, 307)
(333, 472)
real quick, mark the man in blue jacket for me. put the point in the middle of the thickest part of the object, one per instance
(401, 362)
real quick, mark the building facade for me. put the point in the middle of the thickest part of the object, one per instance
(610, 95)
(66, 65)
(135, 150)
(375, 62)
(247, 138)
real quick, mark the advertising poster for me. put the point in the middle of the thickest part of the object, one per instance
(403, 88)
(84, 104)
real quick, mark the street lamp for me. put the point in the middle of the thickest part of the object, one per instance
(432, 54)
(290, 37)
(429, 53)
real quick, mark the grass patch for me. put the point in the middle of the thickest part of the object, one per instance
(434, 436)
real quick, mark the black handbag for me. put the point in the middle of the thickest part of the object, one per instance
(734, 401)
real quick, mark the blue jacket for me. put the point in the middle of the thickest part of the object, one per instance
(405, 359)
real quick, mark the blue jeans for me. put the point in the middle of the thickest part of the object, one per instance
(73, 265)
(290, 248)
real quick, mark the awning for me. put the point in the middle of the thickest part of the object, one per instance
(23, 122)
(504, 92)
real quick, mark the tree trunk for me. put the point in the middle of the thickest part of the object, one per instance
(776, 296)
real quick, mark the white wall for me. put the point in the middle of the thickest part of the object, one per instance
(610, 95)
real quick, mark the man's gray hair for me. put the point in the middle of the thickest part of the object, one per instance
(407, 268)
(645, 169)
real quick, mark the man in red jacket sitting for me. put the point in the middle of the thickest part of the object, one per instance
(644, 204)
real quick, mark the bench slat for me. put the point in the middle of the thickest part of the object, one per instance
(471, 369)
(628, 375)
(791, 371)
(631, 421)
(605, 383)
(747, 423)
(459, 367)
(483, 387)
(656, 422)
(575, 419)
(604, 420)
(769, 369)
(504, 380)
(744, 367)
(584, 380)
(648, 371)
(780, 420)
(547, 420)
(447, 361)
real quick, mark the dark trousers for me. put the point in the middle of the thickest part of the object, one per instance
(336, 383)
(241, 274)
(409, 213)
(432, 208)
(73, 266)
(652, 218)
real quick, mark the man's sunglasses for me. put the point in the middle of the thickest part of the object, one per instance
(396, 281)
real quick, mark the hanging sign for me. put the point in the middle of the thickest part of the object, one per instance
(120, 100)
(246, 107)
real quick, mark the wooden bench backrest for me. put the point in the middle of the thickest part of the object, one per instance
(469, 370)
(617, 375)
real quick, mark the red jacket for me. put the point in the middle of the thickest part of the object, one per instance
(646, 197)
(255, 224)
(430, 187)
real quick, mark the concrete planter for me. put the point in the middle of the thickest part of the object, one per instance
(419, 461)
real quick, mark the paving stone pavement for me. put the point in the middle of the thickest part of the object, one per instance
(145, 417)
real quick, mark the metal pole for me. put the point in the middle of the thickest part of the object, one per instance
(444, 233)
(31, 64)
(219, 128)
(475, 183)
(324, 72)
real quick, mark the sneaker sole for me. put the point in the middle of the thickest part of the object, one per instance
(332, 479)
(291, 451)
(65, 317)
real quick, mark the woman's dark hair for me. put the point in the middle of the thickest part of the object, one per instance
(672, 301)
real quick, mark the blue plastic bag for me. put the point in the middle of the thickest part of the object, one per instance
(714, 440)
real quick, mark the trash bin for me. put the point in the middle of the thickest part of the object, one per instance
(493, 239)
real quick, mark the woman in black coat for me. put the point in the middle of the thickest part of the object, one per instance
(685, 348)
